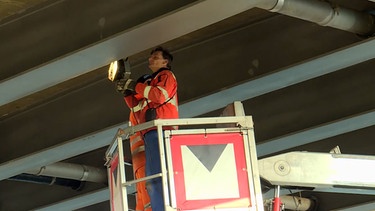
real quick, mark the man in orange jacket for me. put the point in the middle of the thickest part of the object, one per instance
(158, 101)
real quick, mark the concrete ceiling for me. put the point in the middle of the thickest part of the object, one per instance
(308, 87)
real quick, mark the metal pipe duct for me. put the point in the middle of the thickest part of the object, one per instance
(294, 203)
(323, 13)
(297, 203)
(72, 171)
(47, 180)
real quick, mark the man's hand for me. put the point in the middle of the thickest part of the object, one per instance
(125, 85)
(144, 78)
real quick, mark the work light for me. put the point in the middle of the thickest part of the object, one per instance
(116, 70)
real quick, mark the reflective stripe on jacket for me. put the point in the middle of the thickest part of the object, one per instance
(136, 140)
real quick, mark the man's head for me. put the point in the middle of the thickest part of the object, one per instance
(159, 58)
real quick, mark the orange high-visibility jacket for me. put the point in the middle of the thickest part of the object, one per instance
(160, 93)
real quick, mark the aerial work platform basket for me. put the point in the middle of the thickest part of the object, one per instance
(211, 164)
(207, 164)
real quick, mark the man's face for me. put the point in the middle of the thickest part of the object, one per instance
(156, 61)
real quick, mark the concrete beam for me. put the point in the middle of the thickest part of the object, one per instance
(128, 43)
(317, 133)
(81, 201)
(326, 64)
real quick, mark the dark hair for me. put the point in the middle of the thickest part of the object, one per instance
(166, 55)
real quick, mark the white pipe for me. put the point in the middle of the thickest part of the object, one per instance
(71, 171)
(292, 203)
(323, 14)
(296, 203)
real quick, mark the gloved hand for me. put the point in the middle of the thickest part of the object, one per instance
(144, 78)
(125, 85)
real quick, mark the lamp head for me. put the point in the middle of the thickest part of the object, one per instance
(116, 70)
